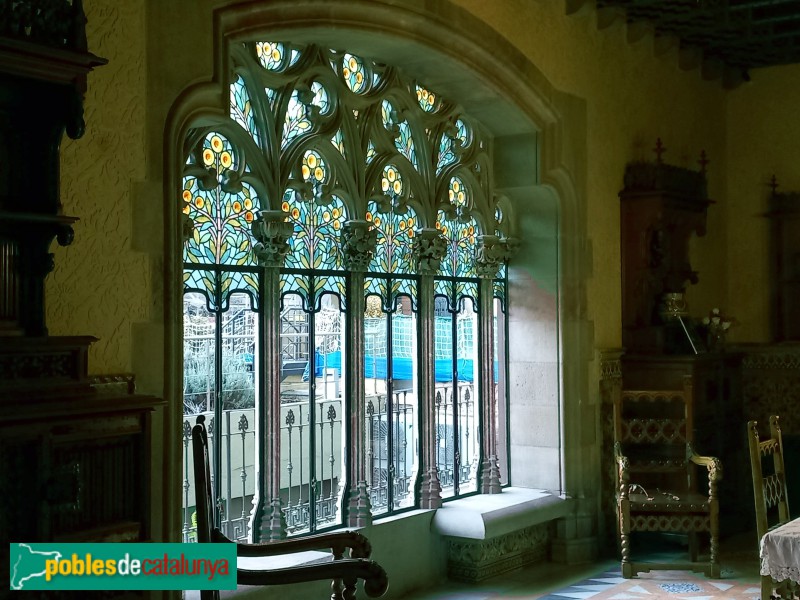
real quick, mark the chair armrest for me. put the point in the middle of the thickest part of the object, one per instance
(623, 470)
(350, 569)
(712, 463)
(337, 543)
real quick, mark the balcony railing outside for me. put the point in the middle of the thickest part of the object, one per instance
(235, 437)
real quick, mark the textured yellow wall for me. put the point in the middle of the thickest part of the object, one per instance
(764, 140)
(101, 286)
(632, 98)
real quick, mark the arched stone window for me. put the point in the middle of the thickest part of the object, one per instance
(344, 293)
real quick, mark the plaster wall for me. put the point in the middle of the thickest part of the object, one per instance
(632, 98)
(102, 285)
(764, 136)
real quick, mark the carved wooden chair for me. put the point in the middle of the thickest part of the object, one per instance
(659, 490)
(343, 573)
(769, 490)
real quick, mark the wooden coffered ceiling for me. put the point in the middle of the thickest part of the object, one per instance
(726, 38)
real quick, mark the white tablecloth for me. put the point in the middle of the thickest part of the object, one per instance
(780, 552)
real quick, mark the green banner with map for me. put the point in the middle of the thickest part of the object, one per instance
(122, 566)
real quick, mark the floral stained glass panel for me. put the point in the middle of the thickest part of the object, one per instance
(354, 73)
(315, 243)
(221, 219)
(461, 237)
(426, 99)
(396, 231)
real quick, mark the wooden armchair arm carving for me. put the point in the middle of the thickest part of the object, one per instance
(338, 542)
(346, 570)
(712, 463)
(623, 470)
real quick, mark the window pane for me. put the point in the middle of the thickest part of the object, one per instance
(445, 433)
(236, 431)
(312, 451)
(501, 390)
(376, 386)
(467, 409)
(404, 404)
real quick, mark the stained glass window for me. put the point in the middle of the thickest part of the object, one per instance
(221, 214)
(340, 137)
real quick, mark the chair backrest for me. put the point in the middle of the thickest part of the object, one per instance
(769, 480)
(653, 428)
(204, 498)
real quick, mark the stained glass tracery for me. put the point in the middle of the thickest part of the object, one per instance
(345, 107)
(221, 219)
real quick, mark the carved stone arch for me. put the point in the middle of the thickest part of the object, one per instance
(461, 57)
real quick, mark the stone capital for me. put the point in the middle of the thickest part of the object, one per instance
(492, 253)
(272, 231)
(359, 239)
(428, 250)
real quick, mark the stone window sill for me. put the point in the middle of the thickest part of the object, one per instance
(487, 516)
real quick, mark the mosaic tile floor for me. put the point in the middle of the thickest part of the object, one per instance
(603, 580)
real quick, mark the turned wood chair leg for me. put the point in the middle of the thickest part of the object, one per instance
(713, 558)
(627, 568)
(350, 589)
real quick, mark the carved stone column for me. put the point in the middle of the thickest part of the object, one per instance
(358, 246)
(272, 232)
(428, 251)
(490, 255)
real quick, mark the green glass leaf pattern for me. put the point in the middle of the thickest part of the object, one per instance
(448, 153)
(321, 98)
(296, 122)
(395, 231)
(295, 283)
(315, 243)
(324, 284)
(426, 99)
(455, 291)
(311, 288)
(221, 219)
(338, 142)
(461, 238)
(232, 282)
(202, 281)
(242, 109)
(404, 142)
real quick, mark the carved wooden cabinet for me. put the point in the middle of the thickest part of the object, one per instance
(74, 461)
(661, 207)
